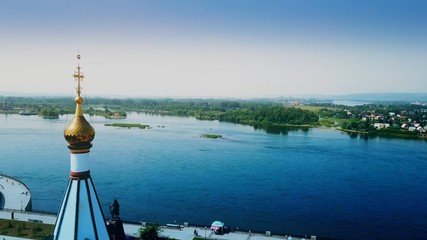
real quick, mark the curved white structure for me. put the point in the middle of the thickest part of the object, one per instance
(14, 194)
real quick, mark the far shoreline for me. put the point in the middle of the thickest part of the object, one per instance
(265, 127)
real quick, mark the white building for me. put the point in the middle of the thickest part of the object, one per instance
(381, 125)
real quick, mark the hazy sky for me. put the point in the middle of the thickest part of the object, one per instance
(214, 48)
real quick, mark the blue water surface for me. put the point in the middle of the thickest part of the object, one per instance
(316, 182)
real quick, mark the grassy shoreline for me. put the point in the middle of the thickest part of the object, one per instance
(383, 134)
(127, 125)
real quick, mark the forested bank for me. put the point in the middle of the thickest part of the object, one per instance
(243, 112)
(402, 120)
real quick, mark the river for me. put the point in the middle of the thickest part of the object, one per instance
(316, 182)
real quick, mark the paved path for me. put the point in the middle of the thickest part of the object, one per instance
(28, 216)
(185, 233)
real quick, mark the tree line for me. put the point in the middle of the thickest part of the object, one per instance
(237, 111)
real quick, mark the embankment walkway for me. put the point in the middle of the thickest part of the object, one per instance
(184, 233)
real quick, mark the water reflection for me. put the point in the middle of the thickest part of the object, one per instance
(282, 130)
(365, 136)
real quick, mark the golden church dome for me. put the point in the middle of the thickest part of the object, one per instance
(79, 131)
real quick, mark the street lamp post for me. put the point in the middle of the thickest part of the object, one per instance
(205, 232)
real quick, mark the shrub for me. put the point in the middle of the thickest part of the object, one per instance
(150, 232)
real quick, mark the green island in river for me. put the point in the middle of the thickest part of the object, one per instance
(128, 125)
(207, 135)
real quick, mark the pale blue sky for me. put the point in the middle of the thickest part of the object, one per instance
(214, 48)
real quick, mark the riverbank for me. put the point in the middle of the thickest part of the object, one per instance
(384, 134)
(185, 232)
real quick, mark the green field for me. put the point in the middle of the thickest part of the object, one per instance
(25, 229)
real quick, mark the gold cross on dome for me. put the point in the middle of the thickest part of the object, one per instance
(79, 77)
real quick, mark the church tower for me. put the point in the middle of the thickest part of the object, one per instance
(80, 216)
